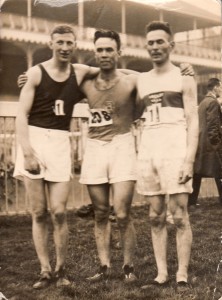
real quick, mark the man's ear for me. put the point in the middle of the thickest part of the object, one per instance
(50, 44)
(119, 52)
(172, 44)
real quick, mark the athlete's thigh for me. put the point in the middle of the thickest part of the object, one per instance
(122, 193)
(157, 205)
(58, 195)
(178, 204)
(57, 154)
(122, 159)
(94, 166)
(99, 195)
(36, 191)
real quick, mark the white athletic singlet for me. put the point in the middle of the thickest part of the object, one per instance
(162, 95)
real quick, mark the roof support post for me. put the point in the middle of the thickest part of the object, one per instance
(161, 18)
(123, 17)
(29, 55)
(29, 14)
(80, 18)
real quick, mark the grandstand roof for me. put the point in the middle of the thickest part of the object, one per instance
(210, 11)
(181, 14)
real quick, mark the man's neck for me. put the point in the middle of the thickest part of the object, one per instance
(162, 68)
(61, 66)
(107, 75)
(106, 80)
(212, 94)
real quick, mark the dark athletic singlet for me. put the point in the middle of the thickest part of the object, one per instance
(53, 101)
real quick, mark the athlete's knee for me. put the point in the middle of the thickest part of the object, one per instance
(40, 216)
(157, 221)
(101, 214)
(122, 218)
(59, 217)
(181, 222)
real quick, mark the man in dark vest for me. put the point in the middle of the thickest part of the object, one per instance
(208, 162)
(43, 156)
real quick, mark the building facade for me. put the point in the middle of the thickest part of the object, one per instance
(26, 24)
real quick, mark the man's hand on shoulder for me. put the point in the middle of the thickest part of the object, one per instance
(33, 74)
(186, 69)
(21, 80)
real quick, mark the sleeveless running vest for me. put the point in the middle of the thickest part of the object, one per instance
(53, 102)
(162, 95)
(106, 110)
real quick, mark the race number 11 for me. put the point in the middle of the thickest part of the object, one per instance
(154, 112)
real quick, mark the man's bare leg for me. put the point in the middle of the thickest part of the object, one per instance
(122, 200)
(99, 195)
(58, 196)
(36, 192)
(178, 208)
(159, 235)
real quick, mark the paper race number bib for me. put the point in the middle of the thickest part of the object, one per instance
(99, 117)
(153, 113)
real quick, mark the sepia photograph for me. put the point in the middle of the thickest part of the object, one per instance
(110, 149)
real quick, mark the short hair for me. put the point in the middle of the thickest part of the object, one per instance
(212, 82)
(62, 29)
(158, 25)
(108, 34)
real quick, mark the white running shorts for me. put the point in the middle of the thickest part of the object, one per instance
(161, 155)
(53, 151)
(111, 162)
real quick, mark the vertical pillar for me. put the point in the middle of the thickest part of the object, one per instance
(194, 23)
(29, 13)
(29, 55)
(123, 63)
(161, 18)
(123, 17)
(80, 18)
(123, 22)
(80, 58)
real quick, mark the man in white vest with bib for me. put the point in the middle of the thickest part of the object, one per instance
(167, 149)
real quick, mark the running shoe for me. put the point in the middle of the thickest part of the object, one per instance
(44, 280)
(61, 279)
(102, 274)
(130, 277)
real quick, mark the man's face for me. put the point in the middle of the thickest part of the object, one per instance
(218, 90)
(62, 46)
(106, 53)
(159, 46)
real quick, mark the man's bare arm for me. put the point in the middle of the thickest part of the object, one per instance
(87, 72)
(25, 103)
(191, 115)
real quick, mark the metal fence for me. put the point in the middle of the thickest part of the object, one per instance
(13, 199)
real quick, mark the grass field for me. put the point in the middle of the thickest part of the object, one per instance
(19, 267)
